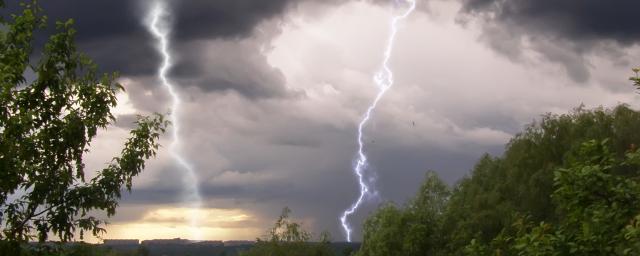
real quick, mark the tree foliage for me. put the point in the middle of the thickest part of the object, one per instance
(566, 185)
(598, 211)
(47, 125)
(413, 229)
(288, 238)
(521, 182)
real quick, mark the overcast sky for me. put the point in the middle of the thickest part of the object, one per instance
(273, 91)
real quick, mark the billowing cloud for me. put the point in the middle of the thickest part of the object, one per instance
(566, 32)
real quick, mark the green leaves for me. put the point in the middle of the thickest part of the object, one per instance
(598, 209)
(521, 182)
(46, 127)
(412, 230)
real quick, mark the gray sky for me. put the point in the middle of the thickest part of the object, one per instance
(273, 91)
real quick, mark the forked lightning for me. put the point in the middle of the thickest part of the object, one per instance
(384, 80)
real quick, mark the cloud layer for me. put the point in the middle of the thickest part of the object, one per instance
(272, 93)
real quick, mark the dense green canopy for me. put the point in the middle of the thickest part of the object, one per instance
(567, 172)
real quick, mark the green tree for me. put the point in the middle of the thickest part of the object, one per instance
(46, 127)
(288, 238)
(540, 178)
(412, 230)
(521, 181)
(598, 210)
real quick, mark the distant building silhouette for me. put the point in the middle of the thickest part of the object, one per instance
(121, 242)
(175, 241)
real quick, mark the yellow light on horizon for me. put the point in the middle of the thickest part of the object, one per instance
(169, 223)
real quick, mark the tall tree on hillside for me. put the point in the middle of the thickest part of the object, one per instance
(46, 127)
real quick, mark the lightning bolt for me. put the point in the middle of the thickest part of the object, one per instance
(384, 80)
(158, 27)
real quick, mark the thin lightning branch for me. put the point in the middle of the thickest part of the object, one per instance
(158, 28)
(384, 80)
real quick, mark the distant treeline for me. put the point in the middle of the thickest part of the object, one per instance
(194, 249)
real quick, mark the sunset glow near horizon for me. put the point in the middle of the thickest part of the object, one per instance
(272, 93)
(170, 223)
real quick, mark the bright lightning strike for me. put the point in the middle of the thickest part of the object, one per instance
(384, 80)
(158, 27)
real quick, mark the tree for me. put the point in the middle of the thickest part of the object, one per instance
(46, 127)
(550, 183)
(412, 230)
(288, 238)
(598, 210)
(501, 190)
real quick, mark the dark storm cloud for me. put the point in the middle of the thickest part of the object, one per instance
(113, 34)
(108, 31)
(574, 19)
(563, 31)
(223, 18)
